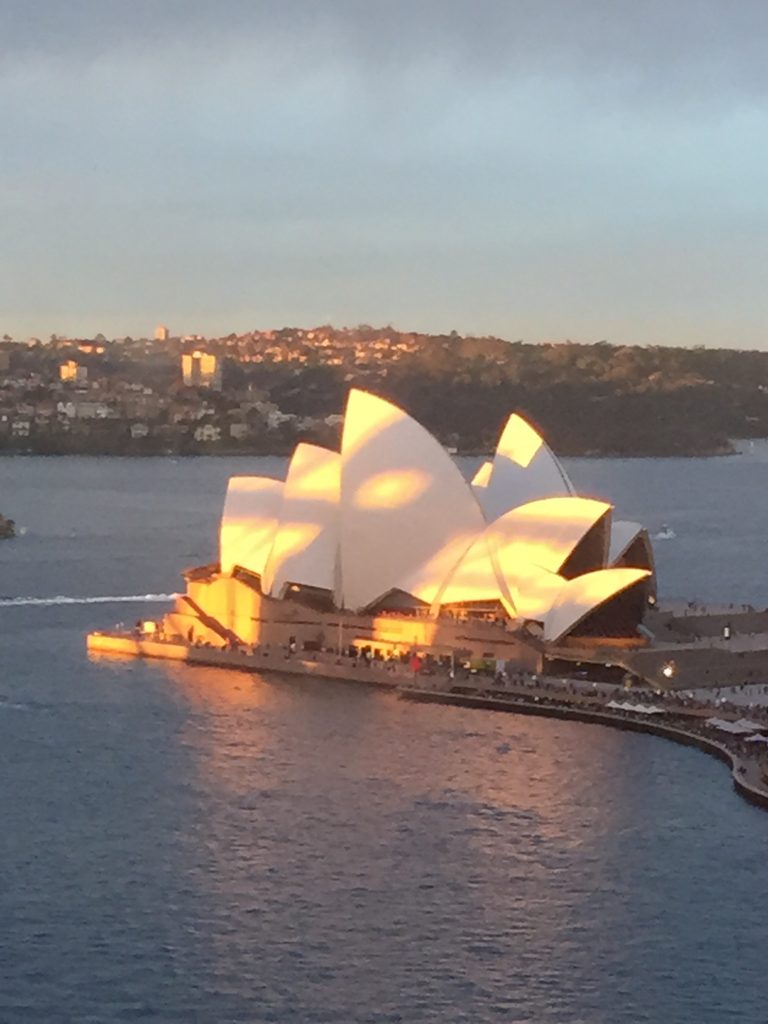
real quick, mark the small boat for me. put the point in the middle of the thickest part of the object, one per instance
(665, 533)
(7, 528)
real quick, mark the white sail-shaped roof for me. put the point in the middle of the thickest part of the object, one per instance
(622, 535)
(407, 513)
(392, 515)
(307, 537)
(483, 475)
(475, 578)
(517, 558)
(583, 595)
(248, 523)
(524, 469)
(544, 533)
(533, 590)
(631, 548)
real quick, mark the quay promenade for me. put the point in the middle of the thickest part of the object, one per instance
(685, 718)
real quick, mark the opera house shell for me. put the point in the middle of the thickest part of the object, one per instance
(388, 527)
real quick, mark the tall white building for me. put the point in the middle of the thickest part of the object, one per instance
(201, 369)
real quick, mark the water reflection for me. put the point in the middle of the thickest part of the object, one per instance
(187, 844)
(343, 827)
(211, 688)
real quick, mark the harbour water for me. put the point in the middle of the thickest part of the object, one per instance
(187, 844)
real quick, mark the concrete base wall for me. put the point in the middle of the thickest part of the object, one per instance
(224, 611)
(223, 607)
(189, 626)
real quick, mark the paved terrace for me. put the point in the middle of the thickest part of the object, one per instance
(708, 647)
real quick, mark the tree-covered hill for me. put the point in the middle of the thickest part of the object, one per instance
(273, 388)
(600, 398)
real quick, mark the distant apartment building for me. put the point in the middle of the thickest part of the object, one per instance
(161, 333)
(86, 409)
(72, 372)
(207, 433)
(201, 370)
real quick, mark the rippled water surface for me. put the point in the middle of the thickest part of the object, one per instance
(193, 845)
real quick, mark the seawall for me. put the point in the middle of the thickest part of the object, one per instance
(747, 782)
(745, 774)
(274, 660)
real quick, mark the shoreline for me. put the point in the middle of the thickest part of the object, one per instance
(229, 453)
(748, 784)
(747, 776)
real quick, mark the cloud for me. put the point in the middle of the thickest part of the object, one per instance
(693, 48)
(529, 167)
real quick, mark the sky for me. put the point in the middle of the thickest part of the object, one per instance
(531, 169)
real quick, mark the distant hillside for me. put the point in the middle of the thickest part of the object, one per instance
(587, 399)
(277, 387)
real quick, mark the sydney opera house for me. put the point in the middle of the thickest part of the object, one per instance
(384, 543)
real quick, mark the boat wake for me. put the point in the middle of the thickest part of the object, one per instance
(47, 602)
(10, 705)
